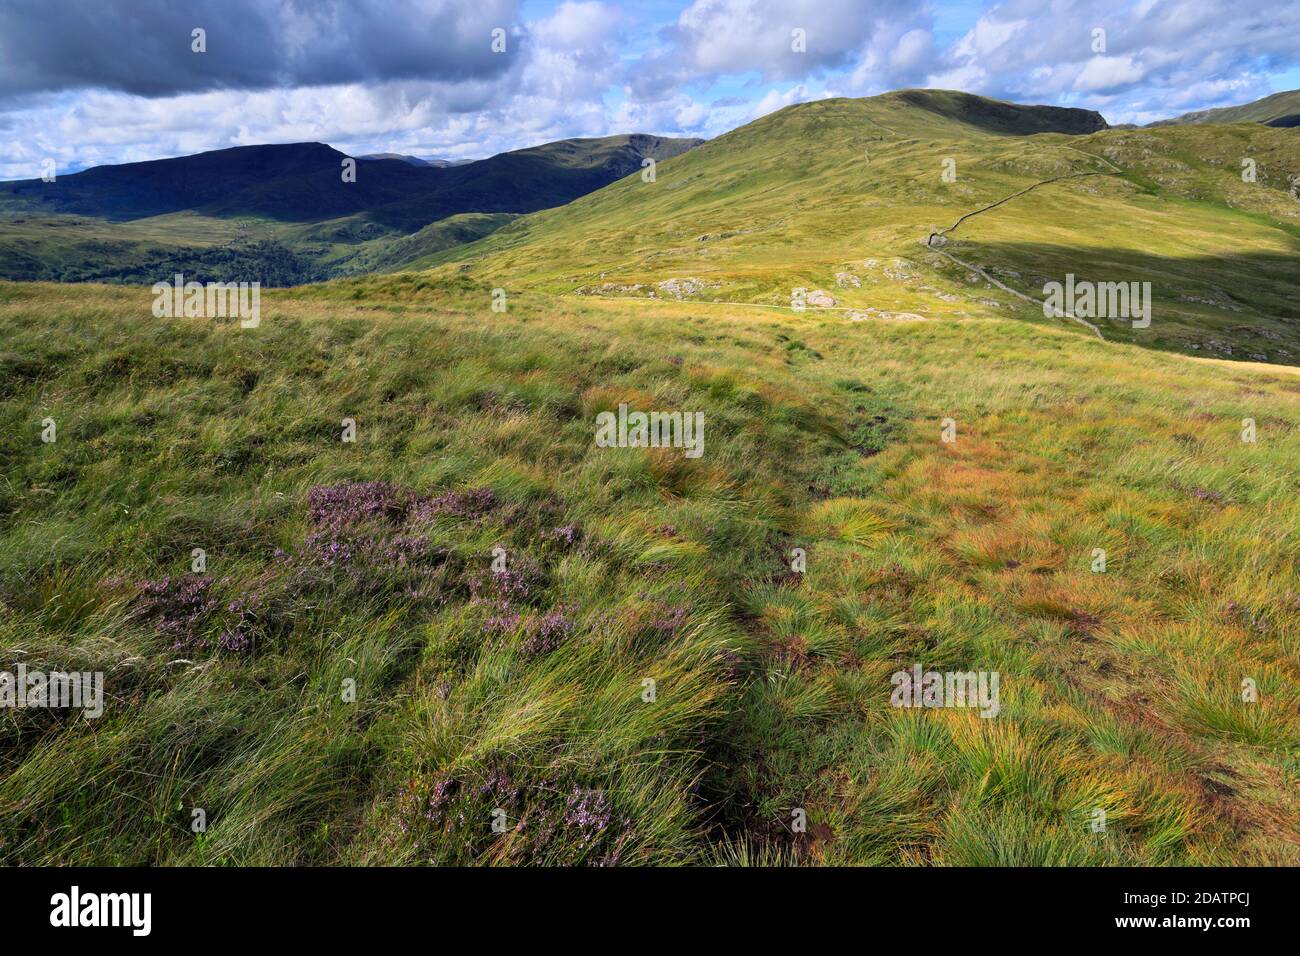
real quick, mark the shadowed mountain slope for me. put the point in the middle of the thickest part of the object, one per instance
(996, 116)
(303, 182)
(137, 221)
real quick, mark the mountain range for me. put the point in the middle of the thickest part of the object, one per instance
(120, 222)
(940, 204)
(417, 161)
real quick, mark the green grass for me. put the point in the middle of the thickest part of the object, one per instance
(1119, 690)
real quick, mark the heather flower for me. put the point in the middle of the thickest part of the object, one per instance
(473, 503)
(439, 797)
(179, 606)
(328, 549)
(403, 549)
(590, 811)
(507, 622)
(509, 585)
(566, 535)
(238, 636)
(234, 640)
(337, 506)
(333, 549)
(498, 786)
(546, 633)
(1248, 617)
(441, 792)
(669, 620)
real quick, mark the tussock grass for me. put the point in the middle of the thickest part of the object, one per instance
(1120, 691)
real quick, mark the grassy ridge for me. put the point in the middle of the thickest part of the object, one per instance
(370, 562)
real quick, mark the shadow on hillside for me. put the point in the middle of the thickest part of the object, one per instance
(1241, 306)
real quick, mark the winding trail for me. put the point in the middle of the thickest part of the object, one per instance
(1006, 288)
(1016, 195)
(942, 235)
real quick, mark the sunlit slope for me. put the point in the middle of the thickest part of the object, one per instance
(831, 195)
(48, 245)
(783, 198)
(1222, 254)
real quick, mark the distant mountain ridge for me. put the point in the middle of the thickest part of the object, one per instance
(303, 182)
(840, 196)
(204, 214)
(418, 161)
(1279, 109)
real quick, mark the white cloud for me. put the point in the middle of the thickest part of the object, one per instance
(777, 100)
(776, 40)
(988, 36)
(576, 27)
(968, 78)
(912, 50)
(553, 90)
(1156, 50)
(1103, 73)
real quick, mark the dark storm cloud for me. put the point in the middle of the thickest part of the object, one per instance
(144, 46)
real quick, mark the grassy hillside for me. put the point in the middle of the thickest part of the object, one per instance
(409, 253)
(840, 196)
(371, 562)
(1280, 109)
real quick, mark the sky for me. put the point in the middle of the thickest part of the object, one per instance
(89, 82)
